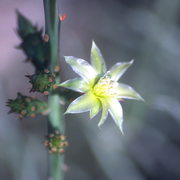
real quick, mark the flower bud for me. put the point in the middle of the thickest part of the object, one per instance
(56, 143)
(42, 82)
(27, 106)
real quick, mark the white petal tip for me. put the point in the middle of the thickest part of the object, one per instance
(93, 43)
(140, 98)
(67, 58)
(69, 111)
(91, 116)
(122, 132)
(121, 129)
(61, 84)
(132, 61)
(99, 125)
(66, 112)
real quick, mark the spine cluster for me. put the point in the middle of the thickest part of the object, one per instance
(43, 82)
(27, 106)
(56, 143)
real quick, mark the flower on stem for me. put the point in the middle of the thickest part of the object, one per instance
(101, 88)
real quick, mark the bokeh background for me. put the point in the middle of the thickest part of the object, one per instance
(145, 30)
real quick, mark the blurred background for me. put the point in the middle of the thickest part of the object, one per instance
(145, 30)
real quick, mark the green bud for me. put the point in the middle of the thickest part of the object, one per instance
(56, 143)
(42, 82)
(27, 106)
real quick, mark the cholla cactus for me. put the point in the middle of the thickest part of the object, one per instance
(27, 106)
(101, 88)
(56, 143)
(102, 91)
(42, 82)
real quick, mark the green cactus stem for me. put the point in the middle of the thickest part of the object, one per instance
(52, 24)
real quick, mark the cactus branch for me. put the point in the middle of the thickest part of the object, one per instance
(56, 121)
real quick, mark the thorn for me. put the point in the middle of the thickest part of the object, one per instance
(44, 113)
(55, 86)
(50, 152)
(62, 17)
(54, 149)
(66, 143)
(45, 93)
(63, 137)
(56, 68)
(33, 115)
(23, 112)
(62, 102)
(20, 116)
(28, 76)
(62, 144)
(50, 79)
(61, 150)
(33, 108)
(46, 71)
(46, 143)
(46, 38)
(51, 135)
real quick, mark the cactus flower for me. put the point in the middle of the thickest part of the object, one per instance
(101, 89)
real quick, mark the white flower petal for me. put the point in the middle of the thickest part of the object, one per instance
(127, 92)
(82, 104)
(81, 67)
(76, 84)
(104, 112)
(116, 112)
(119, 69)
(97, 59)
(94, 110)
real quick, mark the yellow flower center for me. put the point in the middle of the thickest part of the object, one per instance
(105, 87)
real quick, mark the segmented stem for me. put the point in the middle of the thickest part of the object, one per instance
(56, 121)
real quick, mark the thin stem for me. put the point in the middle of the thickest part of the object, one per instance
(56, 121)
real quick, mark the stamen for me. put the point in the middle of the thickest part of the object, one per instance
(105, 87)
